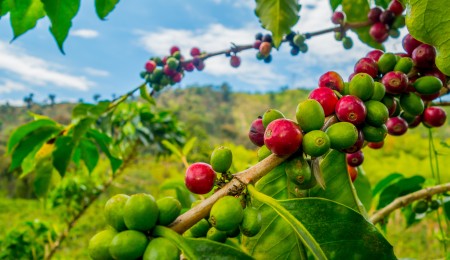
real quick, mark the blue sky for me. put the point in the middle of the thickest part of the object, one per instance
(106, 57)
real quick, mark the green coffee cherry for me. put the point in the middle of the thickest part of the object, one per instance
(263, 152)
(342, 135)
(200, 228)
(221, 159)
(373, 133)
(310, 115)
(114, 211)
(99, 244)
(387, 62)
(427, 85)
(412, 103)
(379, 90)
(420, 206)
(299, 172)
(161, 248)
(216, 235)
(404, 65)
(270, 115)
(226, 213)
(316, 143)
(169, 209)
(251, 222)
(377, 113)
(362, 86)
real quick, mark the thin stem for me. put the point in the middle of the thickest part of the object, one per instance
(408, 199)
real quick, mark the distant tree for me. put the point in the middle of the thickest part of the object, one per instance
(96, 97)
(29, 100)
(284, 88)
(52, 99)
(114, 96)
(80, 100)
(226, 92)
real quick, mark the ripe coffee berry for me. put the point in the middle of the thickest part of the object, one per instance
(199, 178)
(283, 137)
(195, 52)
(374, 14)
(374, 55)
(332, 80)
(351, 109)
(366, 65)
(235, 61)
(409, 43)
(256, 133)
(424, 56)
(338, 17)
(434, 117)
(379, 32)
(396, 126)
(395, 82)
(327, 99)
(355, 159)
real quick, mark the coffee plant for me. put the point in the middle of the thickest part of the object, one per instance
(308, 196)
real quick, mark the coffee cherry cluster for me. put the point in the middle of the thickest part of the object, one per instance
(263, 43)
(170, 70)
(387, 94)
(386, 22)
(227, 219)
(339, 18)
(131, 220)
(200, 177)
(422, 206)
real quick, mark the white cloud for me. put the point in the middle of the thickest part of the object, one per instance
(37, 71)
(84, 33)
(240, 3)
(12, 102)
(96, 72)
(9, 86)
(215, 37)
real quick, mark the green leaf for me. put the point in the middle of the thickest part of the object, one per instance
(386, 181)
(89, 154)
(143, 90)
(299, 230)
(446, 207)
(172, 148)
(278, 16)
(363, 189)
(382, 3)
(189, 145)
(262, 245)
(43, 175)
(62, 154)
(335, 4)
(104, 7)
(341, 232)
(197, 249)
(61, 13)
(400, 188)
(356, 11)
(81, 128)
(339, 186)
(28, 143)
(24, 130)
(428, 21)
(104, 142)
(84, 110)
(5, 6)
(24, 15)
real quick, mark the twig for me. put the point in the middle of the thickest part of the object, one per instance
(239, 182)
(407, 199)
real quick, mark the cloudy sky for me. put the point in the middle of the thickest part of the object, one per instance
(105, 57)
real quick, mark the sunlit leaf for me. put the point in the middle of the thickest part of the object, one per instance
(62, 154)
(89, 154)
(104, 7)
(429, 22)
(386, 181)
(172, 148)
(104, 142)
(61, 13)
(143, 90)
(24, 15)
(189, 145)
(29, 142)
(25, 129)
(400, 188)
(43, 175)
(363, 189)
(278, 16)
